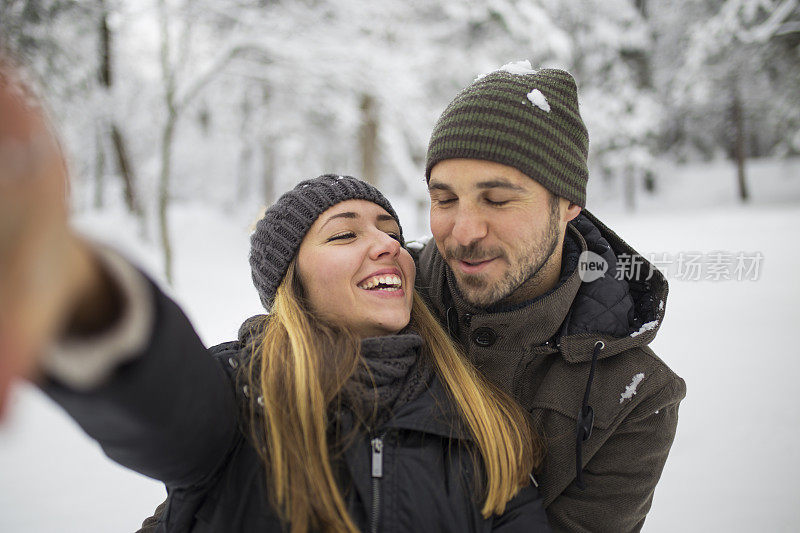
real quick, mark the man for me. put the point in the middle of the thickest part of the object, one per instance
(507, 172)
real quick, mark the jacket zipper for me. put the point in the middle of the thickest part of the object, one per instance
(377, 474)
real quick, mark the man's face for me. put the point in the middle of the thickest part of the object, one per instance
(495, 226)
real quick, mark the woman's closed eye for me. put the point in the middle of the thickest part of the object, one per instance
(350, 235)
(342, 236)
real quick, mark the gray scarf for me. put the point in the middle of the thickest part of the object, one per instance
(393, 375)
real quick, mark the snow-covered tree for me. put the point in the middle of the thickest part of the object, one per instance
(612, 41)
(234, 101)
(739, 84)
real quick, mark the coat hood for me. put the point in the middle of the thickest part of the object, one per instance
(624, 308)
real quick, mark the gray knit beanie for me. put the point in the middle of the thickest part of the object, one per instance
(278, 234)
(524, 118)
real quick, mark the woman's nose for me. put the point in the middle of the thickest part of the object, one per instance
(384, 244)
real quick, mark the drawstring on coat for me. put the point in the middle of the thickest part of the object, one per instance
(585, 419)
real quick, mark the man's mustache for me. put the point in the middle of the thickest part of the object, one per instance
(472, 253)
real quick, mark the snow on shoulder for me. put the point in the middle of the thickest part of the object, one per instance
(538, 99)
(520, 68)
(630, 390)
(647, 326)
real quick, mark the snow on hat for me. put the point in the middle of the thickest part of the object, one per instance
(524, 118)
(278, 234)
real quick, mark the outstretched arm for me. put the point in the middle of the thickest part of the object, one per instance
(163, 406)
(48, 280)
(167, 411)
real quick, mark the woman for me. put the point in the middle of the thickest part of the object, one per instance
(345, 409)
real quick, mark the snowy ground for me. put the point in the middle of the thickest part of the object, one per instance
(735, 458)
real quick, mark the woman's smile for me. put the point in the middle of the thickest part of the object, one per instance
(385, 283)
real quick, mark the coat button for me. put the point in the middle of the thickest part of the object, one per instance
(233, 362)
(484, 337)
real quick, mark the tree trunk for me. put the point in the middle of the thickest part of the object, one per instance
(99, 169)
(268, 171)
(368, 140)
(163, 193)
(739, 147)
(245, 164)
(244, 168)
(124, 166)
(168, 134)
(105, 47)
(630, 189)
(174, 108)
(117, 137)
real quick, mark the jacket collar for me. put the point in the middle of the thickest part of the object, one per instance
(536, 321)
(624, 308)
(432, 412)
(623, 311)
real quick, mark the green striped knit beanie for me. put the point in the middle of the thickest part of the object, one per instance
(278, 234)
(526, 119)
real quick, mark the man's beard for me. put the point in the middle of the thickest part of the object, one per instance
(527, 264)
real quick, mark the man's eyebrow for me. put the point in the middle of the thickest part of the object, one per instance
(489, 184)
(439, 187)
(499, 184)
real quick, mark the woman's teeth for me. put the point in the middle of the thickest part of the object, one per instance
(388, 282)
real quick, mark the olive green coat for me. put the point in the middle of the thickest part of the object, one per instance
(541, 353)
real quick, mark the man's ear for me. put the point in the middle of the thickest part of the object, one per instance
(571, 210)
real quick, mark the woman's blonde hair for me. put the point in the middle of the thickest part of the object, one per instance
(298, 368)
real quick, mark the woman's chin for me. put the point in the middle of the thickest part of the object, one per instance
(382, 328)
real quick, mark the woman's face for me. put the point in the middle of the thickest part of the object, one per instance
(354, 271)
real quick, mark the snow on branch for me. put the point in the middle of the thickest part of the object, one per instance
(205, 76)
(772, 26)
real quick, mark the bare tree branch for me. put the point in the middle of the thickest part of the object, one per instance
(770, 27)
(196, 85)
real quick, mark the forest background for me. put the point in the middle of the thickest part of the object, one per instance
(231, 102)
(182, 119)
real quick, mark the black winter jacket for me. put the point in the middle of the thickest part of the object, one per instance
(173, 414)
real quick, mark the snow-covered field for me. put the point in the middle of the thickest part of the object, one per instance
(735, 458)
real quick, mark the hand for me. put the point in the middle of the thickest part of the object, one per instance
(43, 267)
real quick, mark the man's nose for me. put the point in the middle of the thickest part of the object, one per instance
(468, 227)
